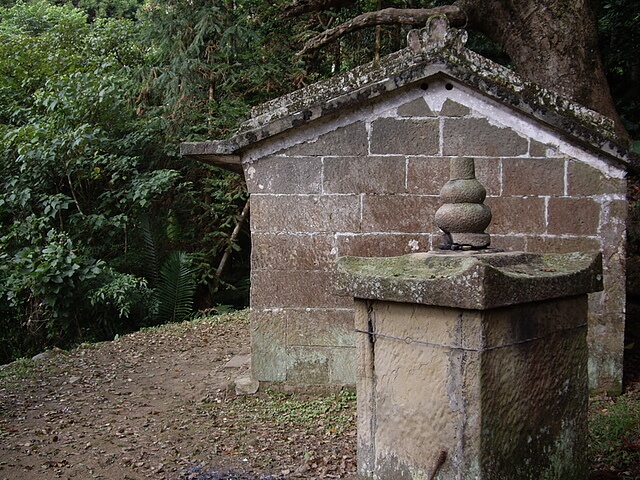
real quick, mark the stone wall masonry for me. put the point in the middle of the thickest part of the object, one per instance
(362, 174)
(370, 188)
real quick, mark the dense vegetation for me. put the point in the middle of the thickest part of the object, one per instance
(103, 228)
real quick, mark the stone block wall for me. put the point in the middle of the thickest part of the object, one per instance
(366, 183)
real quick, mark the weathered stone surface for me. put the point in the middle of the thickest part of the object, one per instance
(408, 137)
(537, 244)
(305, 213)
(342, 369)
(427, 175)
(383, 244)
(320, 328)
(436, 35)
(295, 289)
(304, 346)
(536, 394)
(239, 361)
(415, 108)
(462, 187)
(401, 69)
(604, 363)
(537, 149)
(509, 243)
(584, 180)
(348, 140)
(465, 223)
(454, 109)
(398, 213)
(503, 392)
(268, 346)
(292, 251)
(488, 173)
(379, 175)
(462, 215)
(615, 212)
(325, 164)
(320, 365)
(577, 216)
(409, 418)
(245, 385)
(525, 176)
(472, 280)
(284, 175)
(610, 304)
(307, 366)
(478, 138)
(517, 215)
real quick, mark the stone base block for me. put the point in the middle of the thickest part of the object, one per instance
(497, 394)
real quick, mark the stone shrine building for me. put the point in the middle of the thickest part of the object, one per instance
(353, 166)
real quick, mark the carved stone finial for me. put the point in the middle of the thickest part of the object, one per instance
(463, 217)
(437, 34)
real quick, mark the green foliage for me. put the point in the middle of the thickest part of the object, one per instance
(108, 8)
(19, 370)
(120, 302)
(91, 112)
(212, 61)
(40, 17)
(43, 285)
(619, 25)
(335, 411)
(332, 414)
(175, 289)
(236, 317)
(79, 168)
(614, 441)
(369, 44)
(150, 252)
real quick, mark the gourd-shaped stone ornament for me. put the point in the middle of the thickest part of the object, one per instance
(463, 217)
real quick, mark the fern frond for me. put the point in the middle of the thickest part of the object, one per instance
(152, 263)
(176, 288)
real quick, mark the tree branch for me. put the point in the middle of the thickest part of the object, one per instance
(389, 16)
(305, 6)
(234, 235)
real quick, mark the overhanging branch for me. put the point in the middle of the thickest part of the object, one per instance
(416, 17)
(305, 6)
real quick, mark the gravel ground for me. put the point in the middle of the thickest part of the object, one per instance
(161, 404)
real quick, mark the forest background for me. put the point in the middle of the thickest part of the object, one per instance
(104, 229)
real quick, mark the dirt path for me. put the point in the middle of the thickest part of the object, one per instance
(159, 404)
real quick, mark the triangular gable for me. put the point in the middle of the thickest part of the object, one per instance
(435, 54)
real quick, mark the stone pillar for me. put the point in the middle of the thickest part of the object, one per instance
(472, 365)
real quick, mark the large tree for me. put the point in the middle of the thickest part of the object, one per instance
(551, 42)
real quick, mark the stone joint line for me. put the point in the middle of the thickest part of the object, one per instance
(409, 340)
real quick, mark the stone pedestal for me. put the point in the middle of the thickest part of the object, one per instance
(472, 365)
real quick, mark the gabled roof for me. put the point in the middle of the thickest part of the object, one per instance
(434, 50)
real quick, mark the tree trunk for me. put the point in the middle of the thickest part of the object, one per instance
(551, 42)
